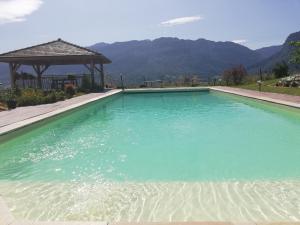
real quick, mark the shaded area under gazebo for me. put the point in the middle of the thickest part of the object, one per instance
(59, 52)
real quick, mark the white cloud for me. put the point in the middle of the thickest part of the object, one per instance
(240, 41)
(181, 20)
(17, 10)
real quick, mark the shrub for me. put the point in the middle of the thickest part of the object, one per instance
(52, 97)
(235, 75)
(28, 100)
(60, 95)
(69, 90)
(85, 84)
(296, 52)
(30, 97)
(281, 70)
(8, 97)
(35, 97)
(49, 98)
(269, 76)
(17, 91)
(11, 104)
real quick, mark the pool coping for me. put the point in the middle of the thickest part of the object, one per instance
(160, 90)
(255, 96)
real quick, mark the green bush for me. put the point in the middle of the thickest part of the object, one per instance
(69, 90)
(6, 95)
(49, 98)
(11, 104)
(28, 100)
(85, 84)
(31, 97)
(8, 98)
(60, 95)
(281, 70)
(235, 75)
(52, 97)
(17, 91)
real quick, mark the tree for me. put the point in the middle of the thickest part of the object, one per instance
(296, 53)
(227, 77)
(235, 75)
(281, 69)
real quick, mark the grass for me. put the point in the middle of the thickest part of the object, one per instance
(270, 86)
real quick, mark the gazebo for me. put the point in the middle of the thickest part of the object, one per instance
(58, 52)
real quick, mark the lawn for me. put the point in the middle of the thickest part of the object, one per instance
(270, 86)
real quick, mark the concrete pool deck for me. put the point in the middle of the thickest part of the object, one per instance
(282, 99)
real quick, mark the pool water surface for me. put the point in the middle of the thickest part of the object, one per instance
(185, 156)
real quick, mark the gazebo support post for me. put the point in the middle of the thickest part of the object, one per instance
(92, 69)
(40, 69)
(37, 69)
(101, 73)
(13, 67)
(102, 85)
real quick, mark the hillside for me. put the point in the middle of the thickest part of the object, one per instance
(267, 52)
(165, 57)
(283, 55)
(168, 58)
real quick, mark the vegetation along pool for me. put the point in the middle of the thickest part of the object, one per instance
(188, 156)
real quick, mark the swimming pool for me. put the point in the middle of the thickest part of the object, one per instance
(188, 156)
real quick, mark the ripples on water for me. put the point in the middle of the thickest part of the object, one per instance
(155, 202)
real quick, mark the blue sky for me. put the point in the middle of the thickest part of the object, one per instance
(253, 23)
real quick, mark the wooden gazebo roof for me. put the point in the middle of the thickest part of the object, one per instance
(57, 52)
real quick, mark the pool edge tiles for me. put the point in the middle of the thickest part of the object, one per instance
(253, 96)
(161, 90)
(207, 223)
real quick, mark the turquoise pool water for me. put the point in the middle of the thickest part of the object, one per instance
(192, 156)
(191, 136)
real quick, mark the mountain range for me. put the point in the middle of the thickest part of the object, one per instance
(168, 58)
(281, 53)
